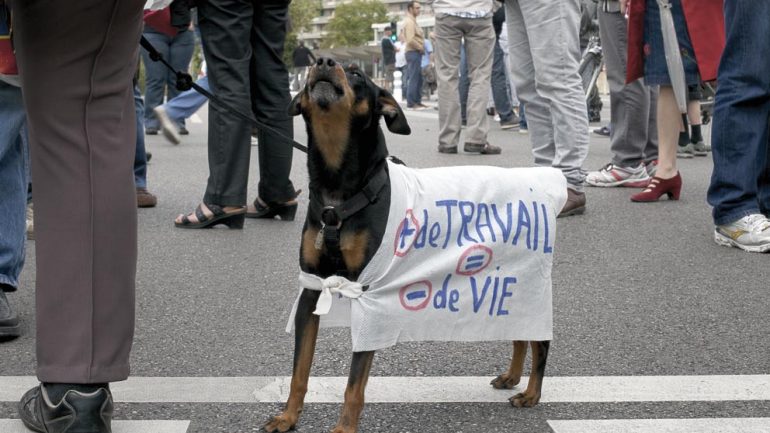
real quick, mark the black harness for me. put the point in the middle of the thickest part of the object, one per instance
(332, 217)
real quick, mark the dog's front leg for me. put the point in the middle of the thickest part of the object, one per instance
(354, 393)
(511, 378)
(531, 396)
(306, 332)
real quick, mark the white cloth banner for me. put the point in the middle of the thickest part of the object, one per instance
(466, 256)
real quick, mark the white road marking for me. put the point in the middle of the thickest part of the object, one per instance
(195, 118)
(425, 114)
(700, 425)
(389, 389)
(15, 426)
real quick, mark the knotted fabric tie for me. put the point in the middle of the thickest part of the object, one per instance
(329, 286)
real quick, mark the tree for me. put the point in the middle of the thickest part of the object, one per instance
(301, 14)
(351, 25)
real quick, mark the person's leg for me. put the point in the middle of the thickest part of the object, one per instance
(270, 99)
(651, 148)
(155, 77)
(629, 103)
(448, 40)
(226, 29)
(414, 74)
(83, 139)
(180, 53)
(13, 184)
(188, 102)
(479, 45)
(552, 28)
(140, 155)
(464, 84)
(669, 124)
(741, 112)
(538, 118)
(500, 91)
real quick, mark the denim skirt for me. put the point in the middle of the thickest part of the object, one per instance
(655, 67)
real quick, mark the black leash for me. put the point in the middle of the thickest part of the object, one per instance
(185, 82)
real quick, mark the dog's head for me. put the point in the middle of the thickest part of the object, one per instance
(348, 96)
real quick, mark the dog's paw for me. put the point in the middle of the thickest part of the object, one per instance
(504, 381)
(343, 429)
(280, 423)
(523, 399)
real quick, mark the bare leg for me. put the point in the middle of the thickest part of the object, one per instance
(669, 125)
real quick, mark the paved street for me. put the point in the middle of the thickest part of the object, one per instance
(657, 329)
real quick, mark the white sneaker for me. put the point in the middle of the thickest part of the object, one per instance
(30, 221)
(612, 175)
(168, 127)
(652, 167)
(750, 233)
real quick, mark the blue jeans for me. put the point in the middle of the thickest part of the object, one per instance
(14, 163)
(740, 183)
(178, 52)
(414, 78)
(500, 91)
(140, 157)
(187, 103)
(464, 84)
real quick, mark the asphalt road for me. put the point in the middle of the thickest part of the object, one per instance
(639, 290)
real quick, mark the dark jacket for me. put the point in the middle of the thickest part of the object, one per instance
(302, 57)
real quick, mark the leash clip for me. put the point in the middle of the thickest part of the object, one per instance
(334, 224)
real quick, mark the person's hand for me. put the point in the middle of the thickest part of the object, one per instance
(624, 6)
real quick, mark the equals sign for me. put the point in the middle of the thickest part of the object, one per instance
(474, 262)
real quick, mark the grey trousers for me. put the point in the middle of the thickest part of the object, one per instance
(545, 55)
(479, 36)
(76, 80)
(633, 116)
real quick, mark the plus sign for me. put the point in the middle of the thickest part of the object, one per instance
(405, 232)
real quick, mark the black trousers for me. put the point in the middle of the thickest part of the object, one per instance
(243, 44)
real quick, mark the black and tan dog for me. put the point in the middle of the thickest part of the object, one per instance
(349, 203)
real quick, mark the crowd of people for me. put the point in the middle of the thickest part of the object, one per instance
(88, 160)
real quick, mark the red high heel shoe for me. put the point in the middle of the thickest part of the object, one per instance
(657, 187)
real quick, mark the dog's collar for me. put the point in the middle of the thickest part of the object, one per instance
(332, 217)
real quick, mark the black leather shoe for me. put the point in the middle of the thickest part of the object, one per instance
(9, 323)
(77, 412)
(482, 148)
(575, 205)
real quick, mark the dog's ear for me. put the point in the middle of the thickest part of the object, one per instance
(295, 106)
(394, 117)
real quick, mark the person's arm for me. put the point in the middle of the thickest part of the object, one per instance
(410, 31)
(624, 6)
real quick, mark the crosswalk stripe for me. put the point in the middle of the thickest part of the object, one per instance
(392, 389)
(700, 425)
(16, 426)
(425, 114)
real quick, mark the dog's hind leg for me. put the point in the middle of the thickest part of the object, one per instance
(306, 332)
(512, 377)
(531, 396)
(354, 393)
